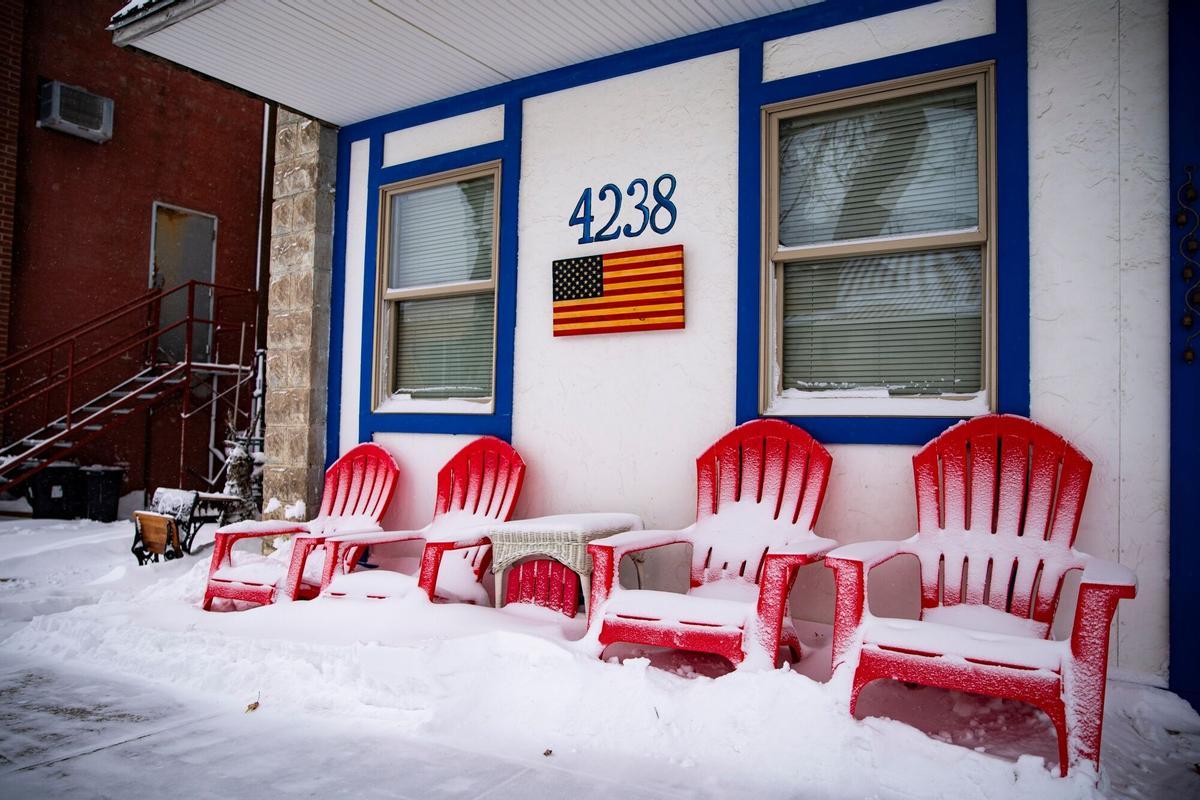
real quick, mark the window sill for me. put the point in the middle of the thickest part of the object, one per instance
(454, 405)
(823, 404)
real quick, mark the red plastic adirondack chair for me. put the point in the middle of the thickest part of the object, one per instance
(358, 488)
(478, 486)
(998, 504)
(759, 490)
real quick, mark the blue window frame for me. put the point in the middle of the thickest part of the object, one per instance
(1006, 47)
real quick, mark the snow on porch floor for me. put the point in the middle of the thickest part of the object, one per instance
(114, 684)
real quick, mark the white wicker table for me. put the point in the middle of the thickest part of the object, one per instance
(563, 537)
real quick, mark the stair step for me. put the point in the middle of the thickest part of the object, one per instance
(90, 427)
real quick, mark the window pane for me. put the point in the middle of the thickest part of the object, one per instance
(443, 346)
(910, 323)
(896, 167)
(442, 234)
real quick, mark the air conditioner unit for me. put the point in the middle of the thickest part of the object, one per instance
(75, 110)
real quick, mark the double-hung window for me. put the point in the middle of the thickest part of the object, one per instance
(436, 313)
(879, 241)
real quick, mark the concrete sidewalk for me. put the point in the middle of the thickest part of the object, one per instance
(71, 734)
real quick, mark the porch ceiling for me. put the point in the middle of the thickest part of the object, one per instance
(343, 62)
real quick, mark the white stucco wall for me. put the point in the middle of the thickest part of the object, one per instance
(1098, 281)
(614, 422)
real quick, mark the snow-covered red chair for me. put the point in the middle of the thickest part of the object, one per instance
(998, 504)
(759, 490)
(476, 488)
(358, 488)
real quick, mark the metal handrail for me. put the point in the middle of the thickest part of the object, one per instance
(146, 301)
(114, 313)
(145, 339)
(72, 371)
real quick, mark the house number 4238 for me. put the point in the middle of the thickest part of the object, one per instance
(652, 202)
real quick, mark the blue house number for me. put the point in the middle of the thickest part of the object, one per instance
(660, 218)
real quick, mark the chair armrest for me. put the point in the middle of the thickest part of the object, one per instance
(800, 553)
(338, 548)
(867, 554)
(462, 538)
(850, 564)
(1103, 585)
(366, 538)
(632, 541)
(606, 557)
(229, 535)
(1099, 572)
(251, 529)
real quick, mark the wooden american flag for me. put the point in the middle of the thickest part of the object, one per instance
(637, 290)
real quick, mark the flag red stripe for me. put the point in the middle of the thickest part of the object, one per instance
(653, 276)
(675, 297)
(670, 312)
(658, 262)
(617, 328)
(671, 248)
(617, 291)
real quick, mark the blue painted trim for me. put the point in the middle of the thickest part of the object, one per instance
(508, 152)
(903, 65)
(337, 300)
(1008, 48)
(445, 162)
(730, 37)
(749, 280)
(1012, 198)
(1184, 127)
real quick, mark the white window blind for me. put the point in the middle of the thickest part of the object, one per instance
(438, 290)
(880, 251)
(894, 168)
(442, 234)
(444, 347)
(910, 322)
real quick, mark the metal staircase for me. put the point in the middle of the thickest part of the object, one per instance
(123, 362)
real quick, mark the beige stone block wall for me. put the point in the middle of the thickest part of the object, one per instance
(298, 310)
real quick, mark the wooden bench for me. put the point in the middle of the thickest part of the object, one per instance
(155, 536)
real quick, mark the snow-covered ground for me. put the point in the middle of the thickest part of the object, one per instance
(114, 683)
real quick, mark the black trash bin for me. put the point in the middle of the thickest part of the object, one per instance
(102, 488)
(57, 492)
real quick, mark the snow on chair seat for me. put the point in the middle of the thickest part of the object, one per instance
(358, 488)
(393, 578)
(256, 570)
(759, 490)
(920, 637)
(657, 608)
(999, 500)
(476, 488)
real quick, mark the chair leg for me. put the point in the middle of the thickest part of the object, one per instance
(1081, 741)
(860, 680)
(431, 562)
(1057, 712)
(791, 641)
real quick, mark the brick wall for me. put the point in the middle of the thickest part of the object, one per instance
(84, 211)
(12, 19)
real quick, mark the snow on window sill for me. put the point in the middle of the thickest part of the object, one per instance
(874, 403)
(398, 404)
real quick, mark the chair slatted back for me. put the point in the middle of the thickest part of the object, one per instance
(483, 480)
(999, 499)
(360, 483)
(760, 485)
(157, 531)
